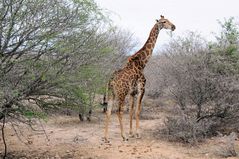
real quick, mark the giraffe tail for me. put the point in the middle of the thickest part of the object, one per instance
(108, 95)
(104, 103)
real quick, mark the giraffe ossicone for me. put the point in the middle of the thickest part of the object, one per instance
(131, 80)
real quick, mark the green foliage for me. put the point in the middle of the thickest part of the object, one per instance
(229, 32)
(86, 82)
(33, 114)
(45, 43)
(225, 51)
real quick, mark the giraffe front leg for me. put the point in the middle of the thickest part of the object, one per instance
(139, 106)
(131, 116)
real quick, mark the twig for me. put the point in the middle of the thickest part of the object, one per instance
(47, 137)
(18, 134)
(151, 143)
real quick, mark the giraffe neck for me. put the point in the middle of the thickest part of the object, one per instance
(140, 58)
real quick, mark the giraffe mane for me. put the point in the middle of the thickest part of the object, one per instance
(135, 56)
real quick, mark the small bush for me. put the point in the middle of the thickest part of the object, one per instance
(187, 129)
(226, 146)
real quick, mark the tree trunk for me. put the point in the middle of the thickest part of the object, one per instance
(89, 115)
(81, 117)
(199, 111)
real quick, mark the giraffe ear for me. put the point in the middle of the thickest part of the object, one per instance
(162, 17)
(130, 59)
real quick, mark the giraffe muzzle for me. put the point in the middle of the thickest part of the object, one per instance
(173, 27)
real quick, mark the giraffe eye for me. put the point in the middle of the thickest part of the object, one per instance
(164, 21)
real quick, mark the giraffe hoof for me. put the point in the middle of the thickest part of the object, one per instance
(137, 136)
(125, 139)
(105, 140)
(131, 135)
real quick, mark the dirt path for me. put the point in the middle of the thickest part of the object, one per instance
(68, 138)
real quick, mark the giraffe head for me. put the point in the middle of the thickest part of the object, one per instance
(165, 23)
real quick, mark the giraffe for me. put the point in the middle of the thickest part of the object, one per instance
(131, 80)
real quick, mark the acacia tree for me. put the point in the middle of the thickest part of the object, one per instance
(40, 43)
(32, 53)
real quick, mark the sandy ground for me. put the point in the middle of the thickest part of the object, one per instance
(66, 137)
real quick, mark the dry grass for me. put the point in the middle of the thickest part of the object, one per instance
(64, 121)
(226, 146)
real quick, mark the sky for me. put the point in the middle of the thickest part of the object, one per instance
(138, 16)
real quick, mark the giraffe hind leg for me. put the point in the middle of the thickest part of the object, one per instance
(120, 117)
(107, 121)
(131, 115)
